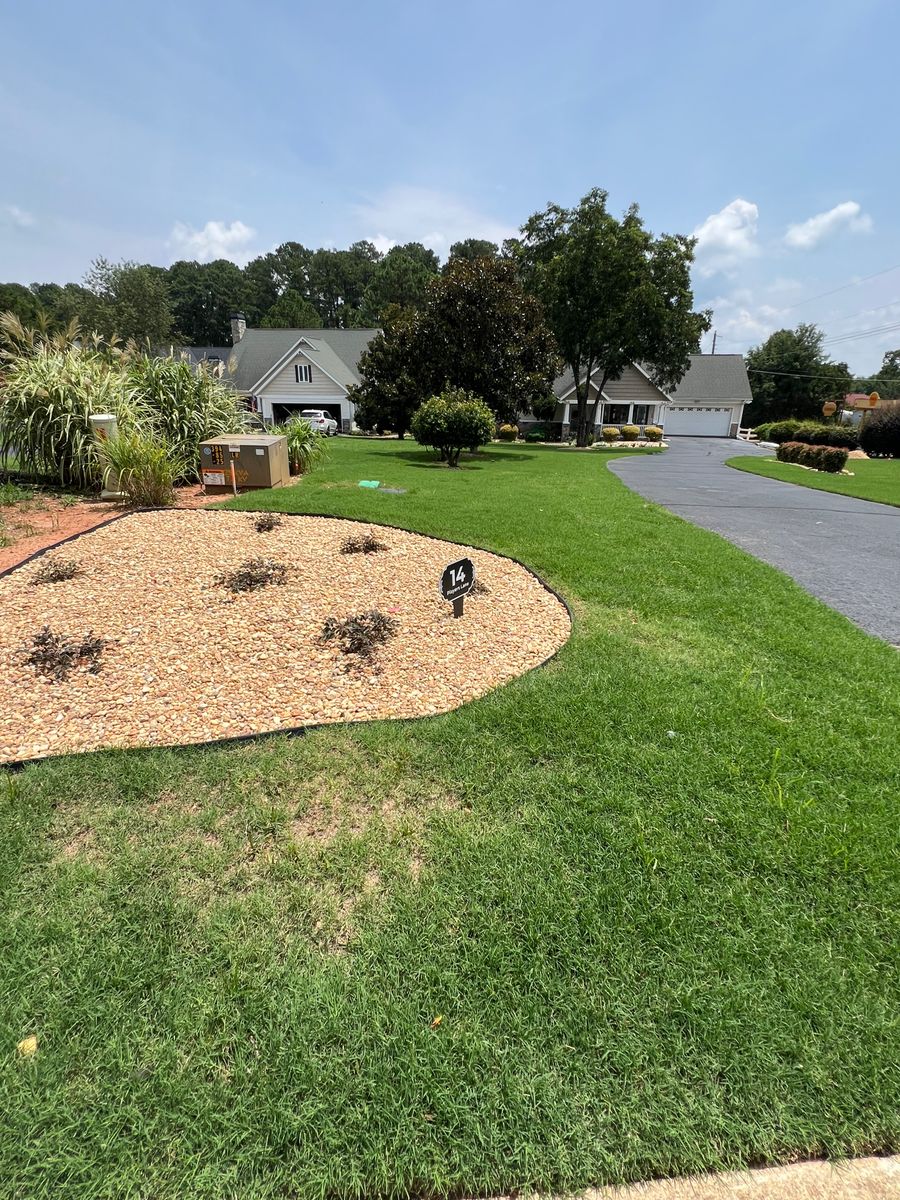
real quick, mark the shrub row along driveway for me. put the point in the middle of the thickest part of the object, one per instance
(843, 550)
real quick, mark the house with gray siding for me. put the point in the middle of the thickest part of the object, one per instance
(279, 372)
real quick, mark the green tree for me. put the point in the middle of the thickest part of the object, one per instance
(887, 382)
(130, 300)
(18, 299)
(390, 369)
(792, 376)
(399, 279)
(203, 297)
(482, 331)
(64, 303)
(291, 311)
(478, 329)
(613, 294)
(260, 290)
(472, 248)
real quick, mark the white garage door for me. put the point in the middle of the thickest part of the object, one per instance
(701, 422)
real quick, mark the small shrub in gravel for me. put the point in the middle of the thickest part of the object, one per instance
(361, 543)
(55, 655)
(479, 588)
(56, 570)
(361, 634)
(266, 522)
(253, 574)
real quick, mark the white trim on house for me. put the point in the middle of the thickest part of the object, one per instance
(267, 403)
(282, 362)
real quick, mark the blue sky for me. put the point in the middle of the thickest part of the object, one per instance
(170, 130)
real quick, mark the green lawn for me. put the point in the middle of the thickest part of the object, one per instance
(651, 888)
(872, 479)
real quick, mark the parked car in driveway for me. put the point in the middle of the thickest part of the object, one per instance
(320, 421)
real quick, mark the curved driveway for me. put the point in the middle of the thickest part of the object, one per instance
(843, 550)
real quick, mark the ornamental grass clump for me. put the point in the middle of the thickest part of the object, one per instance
(178, 407)
(610, 434)
(630, 433)
(253, 574)
(142, 466)
(508, 433)
(306, 446)
(653, 433)
(56, 655)
(56, 570)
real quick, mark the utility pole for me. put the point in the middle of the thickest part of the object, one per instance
(714, 343)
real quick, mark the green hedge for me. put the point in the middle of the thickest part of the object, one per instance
(819, 458)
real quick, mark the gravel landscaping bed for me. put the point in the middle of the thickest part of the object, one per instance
(186, 660)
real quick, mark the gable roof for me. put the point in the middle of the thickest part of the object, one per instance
(714, 377)
(564, 383)
(709, 377)
(259, 351)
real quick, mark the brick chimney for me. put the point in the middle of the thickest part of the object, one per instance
(238, 327)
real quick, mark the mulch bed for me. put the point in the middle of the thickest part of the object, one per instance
(186, 660)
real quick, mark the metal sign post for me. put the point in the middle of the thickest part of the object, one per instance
(457, 581)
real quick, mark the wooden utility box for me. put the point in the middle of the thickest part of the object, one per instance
(260, 461)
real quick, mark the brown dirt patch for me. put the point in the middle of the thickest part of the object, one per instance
(47, 519)
(186, 661)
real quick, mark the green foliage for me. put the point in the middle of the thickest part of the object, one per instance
(778, 431)
(49, 396)
(630, 433)
(544, 407)
(653, 433)
(816, 434)
(879, 435)
(401, 278)
(130, 301)
(12, 493)
(143, 466)
(612, 293)
(791, 375)
(291, 311)
(508, 433)
(306, 446)
(819, 458)
(610, 433)
(875, 479)
(179, 407)
(471, 248)
(203, 297)
(477, 330)
(538, 434)
(454, 421)
(391, 370)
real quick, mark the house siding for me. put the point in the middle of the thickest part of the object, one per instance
(632, 388)
(285, 386)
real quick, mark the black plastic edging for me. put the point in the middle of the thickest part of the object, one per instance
(290, 730)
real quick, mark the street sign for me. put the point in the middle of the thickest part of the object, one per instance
(457, 581)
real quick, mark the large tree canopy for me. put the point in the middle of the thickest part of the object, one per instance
(613, 294)
(129, 300)
(291, 311)
(478, 329)
(792, 376)
(401, 278)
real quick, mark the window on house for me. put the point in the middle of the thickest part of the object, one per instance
(641, 414)
(303, 373)
(615, 414)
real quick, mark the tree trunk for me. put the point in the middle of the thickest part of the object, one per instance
(581, 396)
(596, 405)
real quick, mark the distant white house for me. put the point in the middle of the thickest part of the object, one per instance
(281, 371)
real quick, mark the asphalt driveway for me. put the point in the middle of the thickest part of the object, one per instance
(843, 550)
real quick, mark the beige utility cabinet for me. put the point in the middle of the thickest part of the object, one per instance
(260, 461)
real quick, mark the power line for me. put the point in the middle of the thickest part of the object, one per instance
(842, 288)
(876, 331)
(828, 378)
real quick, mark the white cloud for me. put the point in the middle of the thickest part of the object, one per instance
(848, 215)
(727, 238)
(436, 219)
(217, 239)
(11, 214)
